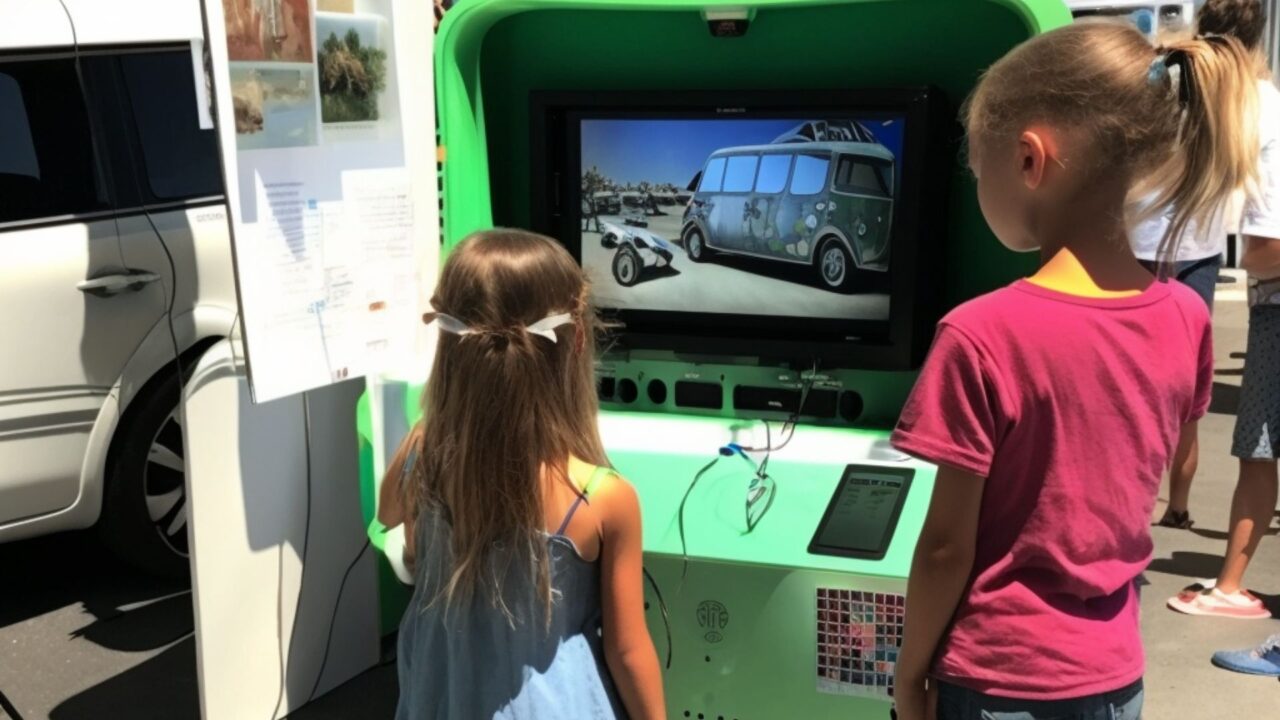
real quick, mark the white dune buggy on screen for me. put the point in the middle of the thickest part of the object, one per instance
(637, 250)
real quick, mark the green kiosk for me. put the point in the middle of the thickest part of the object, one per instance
(771, 201)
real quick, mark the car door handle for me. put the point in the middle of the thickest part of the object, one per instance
(116, 283)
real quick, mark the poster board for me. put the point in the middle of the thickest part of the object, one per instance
(325, 112)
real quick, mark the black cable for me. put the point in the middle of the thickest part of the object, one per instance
(788, 429)
(789, 425)
(172, 289)
(101, 169)
(95, 144)
(173, 271)
(684, 550)
(768, 443)
(333, 619)
(102, 174)
(794, 420)
(173, 298)
(662, 605)
(306, 545)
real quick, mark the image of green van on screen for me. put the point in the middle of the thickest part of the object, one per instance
(786, 217)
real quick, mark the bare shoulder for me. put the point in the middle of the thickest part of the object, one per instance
(617, 503)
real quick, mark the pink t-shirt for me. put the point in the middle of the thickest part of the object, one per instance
(1070, 407)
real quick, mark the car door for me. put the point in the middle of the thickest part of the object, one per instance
(861, 206)
(178, 178)
(771, 184)
(731, 216)
(74, 310)
(706, 201)
(797, 216)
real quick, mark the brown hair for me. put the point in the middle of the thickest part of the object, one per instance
(504, 409)
(1244, 20)
(1189, 137)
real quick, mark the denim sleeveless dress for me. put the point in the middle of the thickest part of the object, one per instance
(467, 661)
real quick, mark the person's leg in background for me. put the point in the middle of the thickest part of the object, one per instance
(1252, 508)
(1186, 459)
(1202, 277)
(1257, 444)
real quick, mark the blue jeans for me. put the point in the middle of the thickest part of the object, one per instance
(957, 703)
(1199, 275)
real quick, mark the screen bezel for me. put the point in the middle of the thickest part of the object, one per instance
(897, 344)
(849, 475)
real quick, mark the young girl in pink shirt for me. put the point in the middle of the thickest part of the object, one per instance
(1053, 406)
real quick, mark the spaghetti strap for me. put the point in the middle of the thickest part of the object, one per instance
(599, 473)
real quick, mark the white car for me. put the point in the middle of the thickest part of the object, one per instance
(637, 251)
(115, 267)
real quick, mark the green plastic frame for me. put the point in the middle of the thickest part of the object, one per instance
(489, 53)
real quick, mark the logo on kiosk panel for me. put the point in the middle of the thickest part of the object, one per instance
(713, 618)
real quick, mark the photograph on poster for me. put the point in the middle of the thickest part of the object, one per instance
(268, 30)
(352, 63)
(274, 108)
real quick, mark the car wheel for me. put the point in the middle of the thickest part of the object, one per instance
(835, 265)
(695, 245)
(144, 511)
(626, 266)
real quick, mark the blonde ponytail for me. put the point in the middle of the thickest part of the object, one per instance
(1190, 141)
(1214, 108)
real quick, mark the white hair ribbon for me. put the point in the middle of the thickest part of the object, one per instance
(546, 327)
(451, 324)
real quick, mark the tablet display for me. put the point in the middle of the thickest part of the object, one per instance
(863, 512)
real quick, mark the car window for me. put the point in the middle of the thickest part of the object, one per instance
(810, 176)
(19, 157)
(181, 159)
(740, 174)
(773, 173)
(864, 176)
(47, 166)
(713, 175)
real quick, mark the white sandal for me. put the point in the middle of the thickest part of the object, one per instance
(1239, 605)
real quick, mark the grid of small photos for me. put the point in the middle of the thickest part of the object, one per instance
(859, 634)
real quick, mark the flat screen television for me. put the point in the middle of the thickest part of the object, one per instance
(792, 226)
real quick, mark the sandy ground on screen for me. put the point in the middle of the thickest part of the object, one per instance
(750, 286)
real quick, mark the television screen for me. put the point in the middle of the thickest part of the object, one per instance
(788, 225)
(787, 217)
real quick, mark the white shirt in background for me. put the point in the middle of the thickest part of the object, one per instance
(1260, 215)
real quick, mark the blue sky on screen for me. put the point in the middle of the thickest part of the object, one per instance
(672, 151)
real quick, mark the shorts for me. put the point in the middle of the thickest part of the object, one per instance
(1257, 435)
(1199, 275)
(957, 703)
